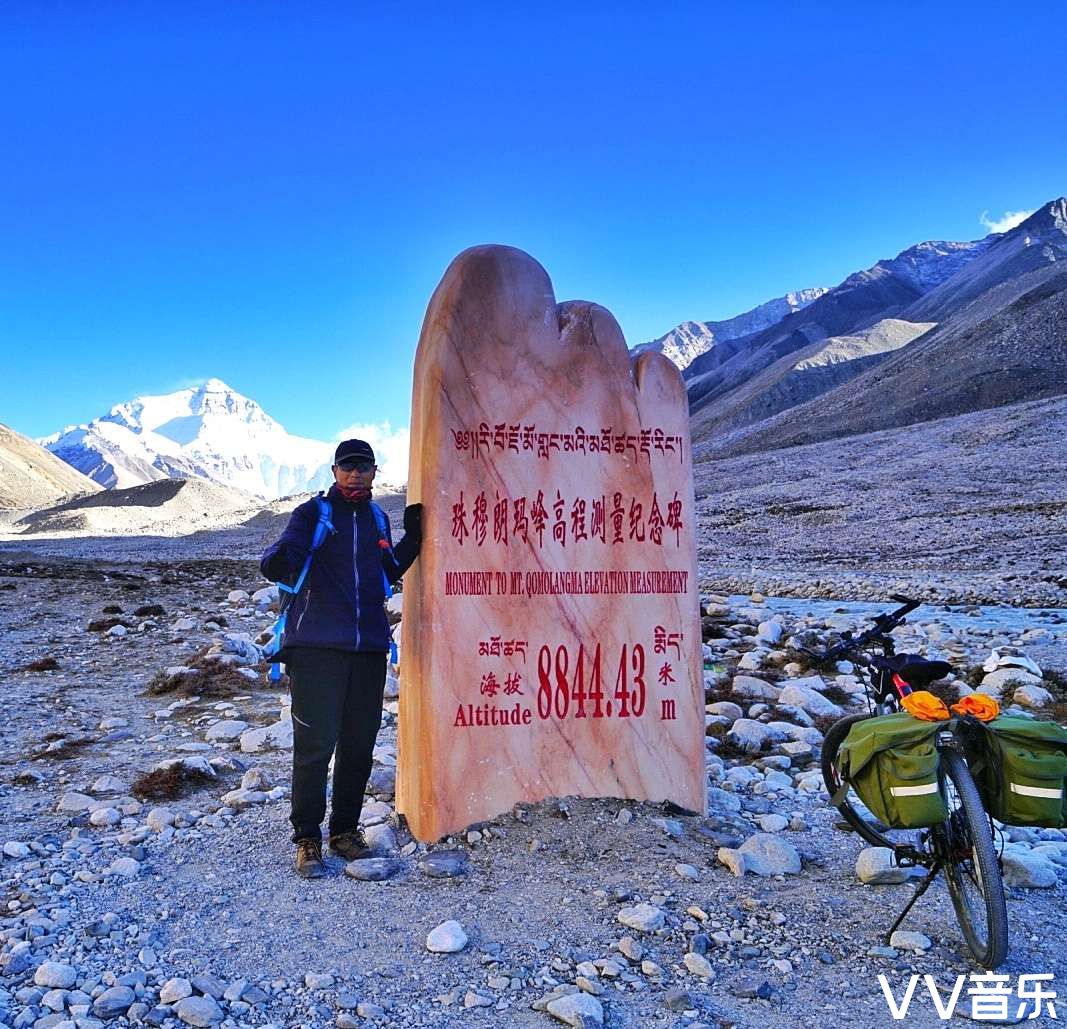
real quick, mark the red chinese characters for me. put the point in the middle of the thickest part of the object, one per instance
(573, 520)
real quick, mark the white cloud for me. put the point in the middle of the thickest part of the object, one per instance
(1008, 221)
(390, 449)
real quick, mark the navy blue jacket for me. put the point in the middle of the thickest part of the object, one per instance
(342, 604)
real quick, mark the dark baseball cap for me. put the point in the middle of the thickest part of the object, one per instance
(352, 450)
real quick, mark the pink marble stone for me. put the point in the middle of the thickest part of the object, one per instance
(559, 550)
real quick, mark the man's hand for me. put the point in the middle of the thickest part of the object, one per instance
(413, 521)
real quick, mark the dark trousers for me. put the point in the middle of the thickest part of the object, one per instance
(337, 711)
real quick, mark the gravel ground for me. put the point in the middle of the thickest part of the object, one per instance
(136, 905)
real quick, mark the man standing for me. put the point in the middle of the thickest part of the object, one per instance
(334, 647)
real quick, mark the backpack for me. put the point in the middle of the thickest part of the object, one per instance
(1020, 767)
(323, 527)
(892, 763)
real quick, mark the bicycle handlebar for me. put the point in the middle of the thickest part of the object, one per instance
(883, 625)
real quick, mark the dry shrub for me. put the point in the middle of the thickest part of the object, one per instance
(169, 783)
(730, 751)
(150, 611)
(112, 609)
(837, 695)
(718, 694)
(66, 749)
(209, 679)
(43, 664)
(944, 691)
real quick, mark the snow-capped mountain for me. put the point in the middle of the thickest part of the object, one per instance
(686, 342)
(209, 432)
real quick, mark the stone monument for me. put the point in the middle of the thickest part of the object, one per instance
(551, 630)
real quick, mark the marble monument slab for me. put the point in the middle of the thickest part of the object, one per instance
(551, 633)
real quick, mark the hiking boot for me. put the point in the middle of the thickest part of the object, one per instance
(309, 859)
(352, 846)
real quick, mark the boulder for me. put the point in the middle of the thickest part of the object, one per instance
(751, 688)
(581, 1010)
(1033, 696)
(993, 683)
(278, 736)
(1029, 870)
(808, 700)
(766, 854)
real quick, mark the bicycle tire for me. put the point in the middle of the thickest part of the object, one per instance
(979, 873)
(831, 744)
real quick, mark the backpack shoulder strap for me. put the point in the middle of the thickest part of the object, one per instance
(323, 528)
(383, 531)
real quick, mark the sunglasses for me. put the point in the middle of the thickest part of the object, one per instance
(357, 466)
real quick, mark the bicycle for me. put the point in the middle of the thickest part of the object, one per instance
(962, 845)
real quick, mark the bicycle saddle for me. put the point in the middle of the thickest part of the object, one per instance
(915, 670)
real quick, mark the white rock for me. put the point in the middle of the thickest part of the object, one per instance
(752, 661)
(904, 939)
(698, 965)
(183, 625)
(159, 818)
(751, 688)
(770, 631)
(127, 867)
(174, 990)
(55, 975)
(278, 736)
(242, 798)
(105, 816)
(1029, 870)
(994, 682)
(770, 855)
(808, 700)
(15, 849)
(265, 596)
(1033, 696)
(447, 938)
(725, 708)
(108, 784)
(225, 731)
(74, 802)
(113, 723)
(380, 838)
(199, 1011)
(643, 917)
(237, 596)
(749, 735)
(773, 822)
(581, 1010)
(194, 764)
(256, 779)
(318, 980)
(118, 630)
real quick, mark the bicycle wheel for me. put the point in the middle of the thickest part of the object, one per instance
(831, 776)
(971, 865)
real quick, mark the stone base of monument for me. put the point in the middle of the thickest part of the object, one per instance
(551, 624)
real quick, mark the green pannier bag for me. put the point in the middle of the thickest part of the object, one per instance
(892, 763)
(1023, 771)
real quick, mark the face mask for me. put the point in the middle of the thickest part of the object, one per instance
(354, 493)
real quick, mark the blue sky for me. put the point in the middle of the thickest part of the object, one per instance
(268, 193)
